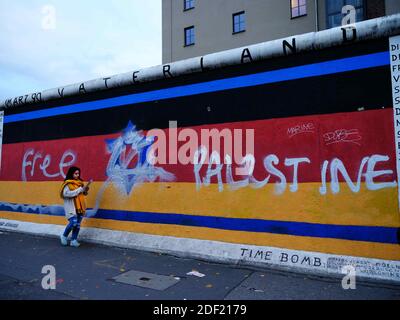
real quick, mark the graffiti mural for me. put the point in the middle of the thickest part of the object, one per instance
(291, 164)
(128, 165)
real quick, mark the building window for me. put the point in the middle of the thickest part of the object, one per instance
(189, 36)
(298, 8)
(334, 13)
(188, 4)
(239, 22)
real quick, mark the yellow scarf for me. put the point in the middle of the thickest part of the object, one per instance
(79, 200)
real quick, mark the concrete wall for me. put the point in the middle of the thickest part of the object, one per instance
(317, 189)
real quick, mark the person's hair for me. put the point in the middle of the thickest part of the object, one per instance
(70, 173)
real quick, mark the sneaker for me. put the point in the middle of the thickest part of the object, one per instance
(74, 243)
(64, 241)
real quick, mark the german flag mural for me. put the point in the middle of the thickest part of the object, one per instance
(288, 161)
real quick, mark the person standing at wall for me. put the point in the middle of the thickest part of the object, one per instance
(73, 191)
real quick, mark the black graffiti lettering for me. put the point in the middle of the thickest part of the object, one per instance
(306, 260)
(82, 88)
(284, 257)
(259, 254)
(105, 81)
(395, 68)
(26, 97)
(61, 93)
(354, 36)
(317, 262)
(134, 77)
(15, 102)
(395, 47)
(167, 71)
(246, 55)
(39, 96)
(292, 47)
(294, 258)
(202, 63)
(8, 102)
(20, 99)
(268, 255)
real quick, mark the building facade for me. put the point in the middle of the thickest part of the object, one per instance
(192, 28)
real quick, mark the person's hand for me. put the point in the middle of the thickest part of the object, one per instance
(86, 188)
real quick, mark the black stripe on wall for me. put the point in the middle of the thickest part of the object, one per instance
(344, 92)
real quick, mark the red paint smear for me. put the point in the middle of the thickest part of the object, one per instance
(347, 136)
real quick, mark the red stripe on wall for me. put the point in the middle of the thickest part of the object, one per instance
(347, 136)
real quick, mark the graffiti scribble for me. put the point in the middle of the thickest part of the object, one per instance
(301, 128)
(342, 135)
(128, 165)
(53, 210)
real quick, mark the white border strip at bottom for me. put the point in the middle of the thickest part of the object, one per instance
(240, 254)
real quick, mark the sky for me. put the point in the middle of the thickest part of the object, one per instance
(45, 44)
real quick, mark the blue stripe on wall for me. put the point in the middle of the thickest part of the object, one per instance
(355, 233)
(300, 72)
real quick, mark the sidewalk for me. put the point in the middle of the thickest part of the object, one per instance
(88, 272)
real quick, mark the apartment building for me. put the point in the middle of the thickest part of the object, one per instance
(193, 28)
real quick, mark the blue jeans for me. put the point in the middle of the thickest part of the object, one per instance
(74, 225)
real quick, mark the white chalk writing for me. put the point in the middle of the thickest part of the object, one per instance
(45, 162)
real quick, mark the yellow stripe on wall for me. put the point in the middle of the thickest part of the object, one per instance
(331, 246)
(366, 208)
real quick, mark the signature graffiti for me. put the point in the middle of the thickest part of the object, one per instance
(342, 135)
(128, 165)
(299, 129)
